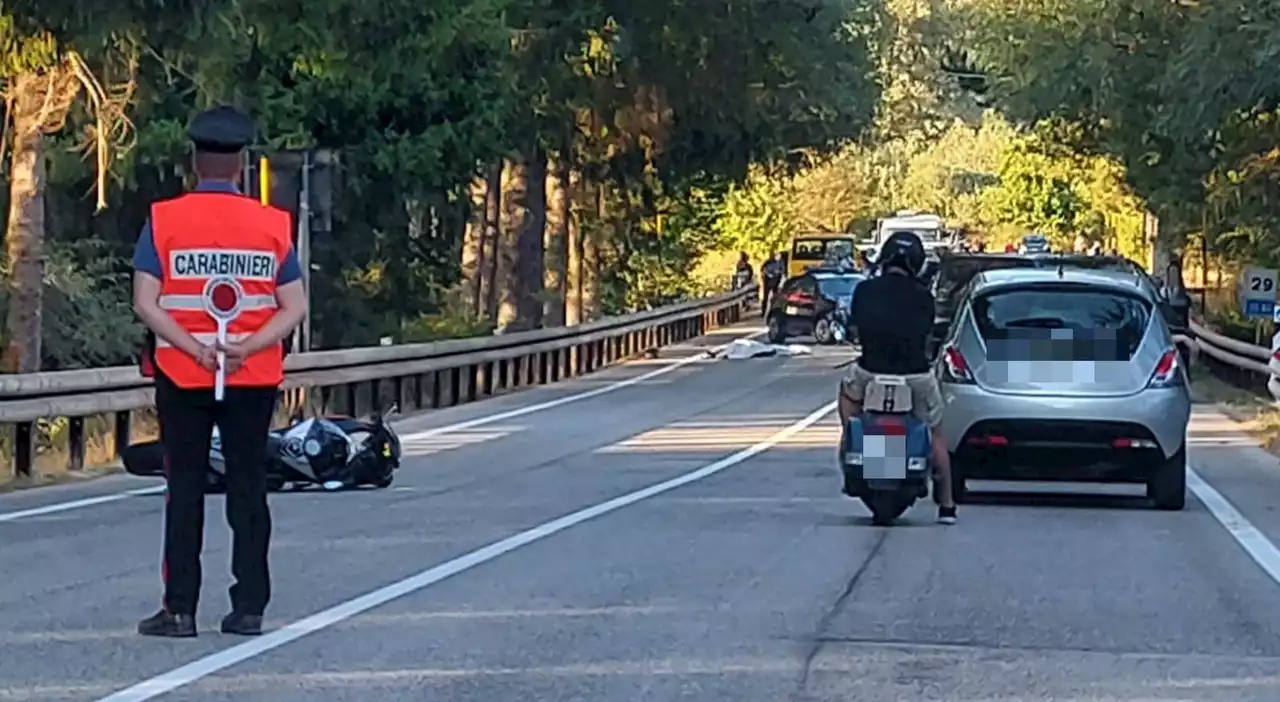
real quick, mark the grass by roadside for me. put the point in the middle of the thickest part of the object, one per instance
(1260, 417)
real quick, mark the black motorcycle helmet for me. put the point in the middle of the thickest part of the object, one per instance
(902, 250)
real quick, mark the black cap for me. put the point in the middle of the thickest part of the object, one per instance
(224, 130)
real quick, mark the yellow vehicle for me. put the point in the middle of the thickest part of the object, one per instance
(811, 250)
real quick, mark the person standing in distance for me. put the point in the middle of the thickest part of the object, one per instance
(214, 236)
(770, 278)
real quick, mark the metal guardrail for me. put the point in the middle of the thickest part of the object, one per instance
(1243, 364)
(415, 376)
(1233, 352)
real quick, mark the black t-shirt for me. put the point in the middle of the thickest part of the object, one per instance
(894, 316)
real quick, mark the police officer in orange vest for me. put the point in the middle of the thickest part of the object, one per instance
(209, 251)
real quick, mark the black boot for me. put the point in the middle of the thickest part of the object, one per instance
(242, 624)
(162, 623)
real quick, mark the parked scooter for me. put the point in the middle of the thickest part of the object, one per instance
(884, 451)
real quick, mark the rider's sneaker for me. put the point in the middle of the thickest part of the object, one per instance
(946, 515)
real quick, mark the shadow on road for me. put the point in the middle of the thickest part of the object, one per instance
(1068, 500)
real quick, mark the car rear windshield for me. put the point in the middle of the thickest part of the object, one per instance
(838, 286)
(1061, 322)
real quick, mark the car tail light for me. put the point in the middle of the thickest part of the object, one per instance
(954, 368)
(1133, 444)
(797, 298)
(1168, 372)
(1276, 356)
(989, 440)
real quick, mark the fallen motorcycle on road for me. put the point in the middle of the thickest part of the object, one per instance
(334, 453)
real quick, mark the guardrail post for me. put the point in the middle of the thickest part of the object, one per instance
(352, 399)
(528, 370)
(23, 448)
(449, 393)
(467, 384)
(75, 444)
(405, 392)
(123, 433)
(427, 397)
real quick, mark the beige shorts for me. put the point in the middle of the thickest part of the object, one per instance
(926, 396)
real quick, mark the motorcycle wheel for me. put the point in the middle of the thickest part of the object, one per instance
(822, 331)
(385, 481)
(886, 506)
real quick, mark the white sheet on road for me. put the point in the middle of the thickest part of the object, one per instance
(739, 349)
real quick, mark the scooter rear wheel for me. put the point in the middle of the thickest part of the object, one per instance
(886, 507)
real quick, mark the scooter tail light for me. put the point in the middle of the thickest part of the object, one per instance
(891, 426)
(954, 366)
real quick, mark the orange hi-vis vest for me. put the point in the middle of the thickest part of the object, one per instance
(203, 236)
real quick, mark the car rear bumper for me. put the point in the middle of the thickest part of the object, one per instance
(1068, 431)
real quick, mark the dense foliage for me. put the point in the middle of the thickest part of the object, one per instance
(515, 163)
(1183, 95)
(938, 148)
(505, 163)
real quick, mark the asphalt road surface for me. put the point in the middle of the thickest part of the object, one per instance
(679, 537)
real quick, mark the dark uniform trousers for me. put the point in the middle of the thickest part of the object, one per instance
(768, 289)
(187, 418)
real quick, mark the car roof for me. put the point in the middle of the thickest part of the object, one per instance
(1098, 277)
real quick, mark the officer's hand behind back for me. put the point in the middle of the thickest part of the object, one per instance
(207, 358)
(236, 354)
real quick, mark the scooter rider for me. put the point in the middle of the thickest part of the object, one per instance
(893, 313)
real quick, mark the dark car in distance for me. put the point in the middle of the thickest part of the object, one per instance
(807, 304)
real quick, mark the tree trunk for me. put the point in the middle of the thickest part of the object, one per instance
(557, 241)
(24, 242)
(473, 245)
(591, 259)
(492, 240)
(507, 281)
(530, 242)
(573, 250)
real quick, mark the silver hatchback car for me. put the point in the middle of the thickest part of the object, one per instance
(1065, 374)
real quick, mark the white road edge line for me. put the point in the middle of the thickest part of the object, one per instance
(58, 507)
(208, 665)
(1254, 542)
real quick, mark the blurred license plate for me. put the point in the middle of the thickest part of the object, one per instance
(888, 468)
(792, 309)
